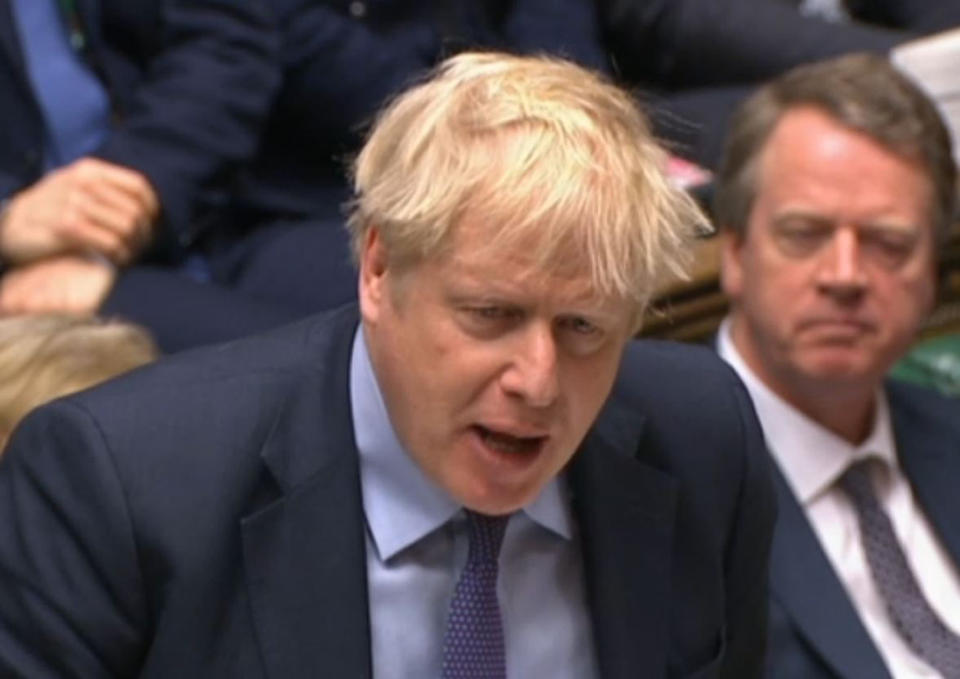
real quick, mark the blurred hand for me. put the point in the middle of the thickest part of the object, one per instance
(67, 284)
(88, 206)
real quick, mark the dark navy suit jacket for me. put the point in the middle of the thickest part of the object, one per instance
(698, 57)
(202, 518)
(815, 633)
(342, 64)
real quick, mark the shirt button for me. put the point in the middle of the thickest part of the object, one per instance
(358, 9)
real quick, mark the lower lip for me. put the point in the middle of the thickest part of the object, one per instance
(838, 327)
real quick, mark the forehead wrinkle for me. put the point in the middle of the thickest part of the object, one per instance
(561, 285)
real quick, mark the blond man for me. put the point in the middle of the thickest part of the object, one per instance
(473, 474)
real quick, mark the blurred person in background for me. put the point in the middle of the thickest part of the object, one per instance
(131, 131)
(689, 61)
(837, 188)
(44, 356)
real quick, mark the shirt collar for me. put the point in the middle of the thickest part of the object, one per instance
(401, 504)
(811, 457)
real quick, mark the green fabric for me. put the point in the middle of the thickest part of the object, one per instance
(934, 363)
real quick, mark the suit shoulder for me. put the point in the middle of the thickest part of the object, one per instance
(691, 403)
(666, 373)
(230, 391)
(924, 406)
(285, 353)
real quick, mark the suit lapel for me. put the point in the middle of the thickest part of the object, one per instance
(10, 40)
(804, 582)
(931, 460)
(304, 552)
(626, 515)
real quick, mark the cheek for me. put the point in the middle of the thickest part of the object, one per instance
(906, 304)
(462, 378)
(777, 296)
(586, 387)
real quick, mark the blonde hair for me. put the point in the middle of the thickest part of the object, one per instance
(44, 356)
(535, 147)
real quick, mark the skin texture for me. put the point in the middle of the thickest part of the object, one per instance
(474, 340)
(65, 284)
(836, 271)
(63, 233)
(89, 205)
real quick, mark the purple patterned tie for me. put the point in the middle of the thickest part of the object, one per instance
(917, 623)
(473, 647)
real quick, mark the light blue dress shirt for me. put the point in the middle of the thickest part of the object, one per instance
(73, 101)
(417, 546)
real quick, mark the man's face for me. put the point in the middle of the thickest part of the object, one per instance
(836, 270)
(492, 371)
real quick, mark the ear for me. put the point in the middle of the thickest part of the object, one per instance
(373, 275)
(731, 265)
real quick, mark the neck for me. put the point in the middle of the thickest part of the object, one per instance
(849, 416)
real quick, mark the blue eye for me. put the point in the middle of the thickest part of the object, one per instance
(582, 326)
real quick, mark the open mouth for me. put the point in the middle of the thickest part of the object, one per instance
(502, 442)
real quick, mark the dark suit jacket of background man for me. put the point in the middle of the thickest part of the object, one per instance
(815, 633)
(188, 96)
(697, 57)
(203, 518)
(192, 89)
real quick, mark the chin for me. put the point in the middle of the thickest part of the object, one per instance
(490, 498)
(840, 371)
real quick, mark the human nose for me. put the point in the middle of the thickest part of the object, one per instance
(840, 271)
(532, 373)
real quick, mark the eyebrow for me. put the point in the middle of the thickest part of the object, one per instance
(814, 217)
(881, 224)
(587, 306)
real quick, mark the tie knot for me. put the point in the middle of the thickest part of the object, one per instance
(486, 535)
(857, 482)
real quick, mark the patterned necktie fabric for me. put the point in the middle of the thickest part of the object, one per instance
(916, 622)
(474, 646)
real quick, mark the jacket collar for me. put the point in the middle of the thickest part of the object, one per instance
(304, 551)
(10, 41)
(930, 459)
(626, 511)
(805, 584)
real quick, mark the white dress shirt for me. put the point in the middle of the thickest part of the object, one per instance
(417, 547)
(812, 459)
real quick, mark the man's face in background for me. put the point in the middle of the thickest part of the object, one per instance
(836, 269)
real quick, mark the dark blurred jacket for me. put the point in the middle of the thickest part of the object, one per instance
(190, 84)
(343, 60)
(691, 59)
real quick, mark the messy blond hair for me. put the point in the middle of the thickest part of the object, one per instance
(536, 147)
(44, 356)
